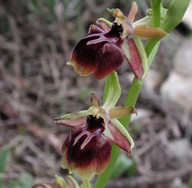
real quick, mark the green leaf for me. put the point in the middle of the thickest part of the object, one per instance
(36, 6)
(3, 158)
(123, 164)
(112, 91)
(14, 184)
(26, 180)
(190, 182)
(175, 13)
(4, 153)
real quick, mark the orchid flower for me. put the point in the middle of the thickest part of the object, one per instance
(87, 149)
(107, 44)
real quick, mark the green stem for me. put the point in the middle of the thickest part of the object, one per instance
(151, 50)
(156, 11)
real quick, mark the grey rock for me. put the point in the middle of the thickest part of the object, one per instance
(153, 80)
(180, 149)
(178, 86)
(177, 89)
(183, 59)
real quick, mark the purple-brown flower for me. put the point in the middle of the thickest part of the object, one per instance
(87, 150)
(107, 44)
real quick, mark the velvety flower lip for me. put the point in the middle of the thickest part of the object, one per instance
(106, 45)
(87, 149)
(98, 52)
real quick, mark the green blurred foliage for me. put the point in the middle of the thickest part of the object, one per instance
(124, 166)
(4, 153)
(25, 180)
(190, 182)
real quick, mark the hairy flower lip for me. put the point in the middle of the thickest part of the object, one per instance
(90, 160)
(87, 149)
(97, 53)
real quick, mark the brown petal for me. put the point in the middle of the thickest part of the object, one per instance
(114, 135)
(110, 58)
(133, 57)
(84, 58)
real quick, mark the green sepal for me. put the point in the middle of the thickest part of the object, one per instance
(73, 116)
(114, 91)
(93, 110)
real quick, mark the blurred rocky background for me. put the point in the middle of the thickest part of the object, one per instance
(36, 39)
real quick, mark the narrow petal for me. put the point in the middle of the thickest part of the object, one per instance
(133, 12)
(144, 32)
(94, 100)
(136, 57)
(119, 111)
(115, 132)
(111, 57)
(89, 161)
